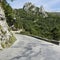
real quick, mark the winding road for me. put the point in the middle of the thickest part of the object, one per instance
(29, 48)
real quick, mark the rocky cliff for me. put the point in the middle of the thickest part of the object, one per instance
(6, 37)
(29, 7)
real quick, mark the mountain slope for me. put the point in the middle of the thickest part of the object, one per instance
(35, 24)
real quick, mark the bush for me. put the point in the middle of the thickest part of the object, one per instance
(9, 42)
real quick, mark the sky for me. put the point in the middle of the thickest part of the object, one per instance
(49, 5)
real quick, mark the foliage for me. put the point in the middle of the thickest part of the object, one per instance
(0, 27)
(9, 13)
(9, 42)
(35, 24)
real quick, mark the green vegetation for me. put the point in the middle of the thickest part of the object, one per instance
(0, 27)
(8, 43)
(9, 13)
(12, 39)
(35, 24)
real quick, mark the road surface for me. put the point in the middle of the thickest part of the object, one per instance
(29, 48)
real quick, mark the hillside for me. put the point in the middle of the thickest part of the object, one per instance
(36, 23)
(33, 20)
(17, 24)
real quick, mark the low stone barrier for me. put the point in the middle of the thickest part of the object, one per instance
(45, 39)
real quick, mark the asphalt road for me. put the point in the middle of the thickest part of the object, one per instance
(29, 48)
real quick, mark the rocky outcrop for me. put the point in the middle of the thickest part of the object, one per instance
(29, 7)
(6, 37)
(42, 11)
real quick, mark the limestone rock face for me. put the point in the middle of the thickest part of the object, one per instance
(41, 10)
(5, 33)
(29, 7)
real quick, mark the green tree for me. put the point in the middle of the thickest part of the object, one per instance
(55, 33)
